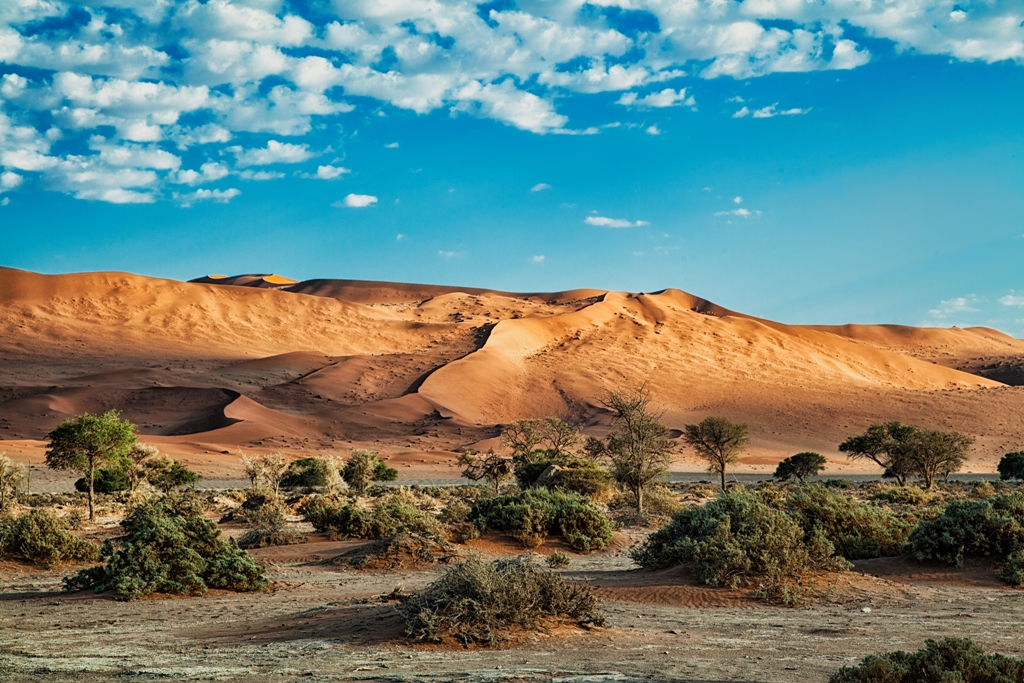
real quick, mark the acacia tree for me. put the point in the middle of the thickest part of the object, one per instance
(491, 468)
(561, 436)
(88, 441)
(523, 437)
(639, 448)
(933, 453)
(801, 466)
(718, 441)
(889, 445)
(1011, 466)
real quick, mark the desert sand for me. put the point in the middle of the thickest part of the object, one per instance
(263, 363)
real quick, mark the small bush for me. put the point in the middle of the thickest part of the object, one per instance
(533, 515)
(956, 660)
(578, 475)
(169, 547)
(474, 602)
(269, 527)
(857, 530)
(455, 512)
(107, 480)
(390, 514)
(304, 473)
(982, 489)
(404, 550)
(558, 560)
(902, 495)
(43, 538)
(993, 527)
(173, 477)
(738, 541)
(838, 483)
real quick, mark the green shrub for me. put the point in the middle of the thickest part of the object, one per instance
(838, 483)
(533, 515)
(738, 540)
(455, 512)
(365, 467)
(108, 480)
(799, 466)
(902, 495)
(474, 602)
(558, 560)
(268, 527)
(857, 530)
(390, 514)
(578, 475)
(952, 660)
(43, 538)
(1012, 571)
(168, 547)
(993, 527)
(305, 473)
(173, 477)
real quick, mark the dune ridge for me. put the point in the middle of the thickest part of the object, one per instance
(266, 362)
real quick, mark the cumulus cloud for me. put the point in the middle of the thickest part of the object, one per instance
(605, 222)
(356, 201)
(540, 187)
(653, 130)
(537, 259)
(161, 76)
(955, 306)
(1012, 299)
(329, 172)
(220, 196)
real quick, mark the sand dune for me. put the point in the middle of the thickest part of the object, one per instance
(263, 362)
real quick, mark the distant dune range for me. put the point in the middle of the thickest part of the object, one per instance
(261, 363)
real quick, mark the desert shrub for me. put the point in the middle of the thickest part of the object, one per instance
(268, 526)
(1012, 572)
(477, 602)
(364, 468)
(404, 550)
(581, 476)
(455, 512)
(168, 547)
(837, 483)
(857, 530)
(108, 480)
(390, 514)
(982, 489)
(533, 515)
(799, 466)
(172, 477)
(558, 560)
(43, 538)
(993, 527)
(738, 540)
(952, 660)
(308, 473)
(902, 495)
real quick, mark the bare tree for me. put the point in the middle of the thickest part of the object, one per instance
(491, 468)
(718, 441)
(138, 457)
(638, 449)
(273, 467)
(523, 437)
(561, 436)
(253, 470)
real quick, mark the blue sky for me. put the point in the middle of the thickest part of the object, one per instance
(823, 162)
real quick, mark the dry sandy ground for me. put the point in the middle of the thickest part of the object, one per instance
(419, 372)
(319, 623)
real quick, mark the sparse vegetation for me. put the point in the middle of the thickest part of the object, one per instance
(638, 447)
(11, 477)
(579, 475)
(1011, 466)
(904, 451)
(390, 514)
(531, 516)
(43, 538)
(799, 466)
(738, 540)
(268, 526)
(168, 547)
(718, 441)
(956, 660)
(557, 560)
(993, 527)
(486, 603)
(314, 473)
(365, 467)
(88, 442)
(901, 495)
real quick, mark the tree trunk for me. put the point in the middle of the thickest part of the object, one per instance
(92, 478)
(639, 499)
(723, 478)
(929, 478)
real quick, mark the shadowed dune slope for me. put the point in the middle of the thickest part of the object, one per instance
(265, 362)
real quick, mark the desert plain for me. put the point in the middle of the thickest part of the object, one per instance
(261, 364)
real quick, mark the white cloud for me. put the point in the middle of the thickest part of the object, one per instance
(666, 98)
(5, 201)
(9, 180)
(740, 113)
(957, 305)
(274, 153)
(1012, 299)
(249, 174)
(391, 145)
(356, 201)
(537, 259)
(653, 130)
(770, 111)
(737, 200)
(207, 173)
(329, 172)
(605, 222)
(742, 213)
(540, 187)
(220, 196)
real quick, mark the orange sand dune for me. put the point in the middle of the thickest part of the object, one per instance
(262, 362)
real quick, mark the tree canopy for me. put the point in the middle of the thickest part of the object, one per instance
(718, 441)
